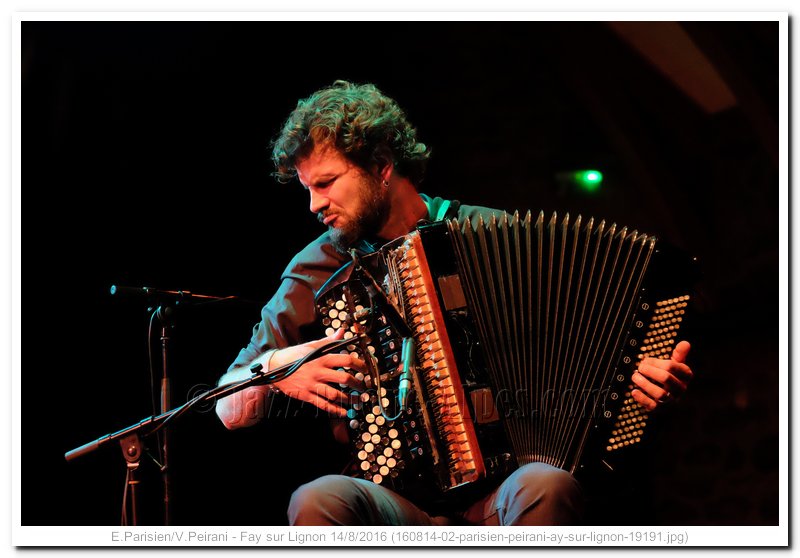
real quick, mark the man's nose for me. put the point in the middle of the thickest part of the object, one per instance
(318, 201)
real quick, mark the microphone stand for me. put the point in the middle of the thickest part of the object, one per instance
(165, 315)
(168, 302)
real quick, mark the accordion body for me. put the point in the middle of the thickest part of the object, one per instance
(516, 337)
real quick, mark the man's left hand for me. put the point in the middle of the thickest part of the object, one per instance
(662, 380)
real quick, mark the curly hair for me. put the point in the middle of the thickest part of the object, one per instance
(360, 121)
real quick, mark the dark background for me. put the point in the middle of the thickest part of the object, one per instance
(145, 162)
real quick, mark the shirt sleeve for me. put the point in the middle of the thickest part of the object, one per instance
(290, 316)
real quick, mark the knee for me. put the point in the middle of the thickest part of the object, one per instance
(548, 482)
(547, 495)
(323, 501)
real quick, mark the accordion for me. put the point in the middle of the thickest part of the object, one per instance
(501, 342)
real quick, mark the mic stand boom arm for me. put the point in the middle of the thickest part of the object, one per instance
(152, 424)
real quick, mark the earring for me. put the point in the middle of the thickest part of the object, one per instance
(385, 183)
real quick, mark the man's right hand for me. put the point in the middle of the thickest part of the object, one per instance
(317, 381)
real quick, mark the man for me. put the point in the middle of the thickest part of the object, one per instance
(355, 153)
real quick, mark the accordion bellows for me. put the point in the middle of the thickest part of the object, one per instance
(525, 333)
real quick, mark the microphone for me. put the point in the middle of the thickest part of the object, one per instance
(151, 294)
(357, 316)
(407, 357)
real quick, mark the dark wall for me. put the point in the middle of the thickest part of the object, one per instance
(145, 162)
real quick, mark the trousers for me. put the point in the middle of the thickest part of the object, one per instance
(535, 494)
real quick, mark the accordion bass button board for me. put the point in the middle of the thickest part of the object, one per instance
(521, 336)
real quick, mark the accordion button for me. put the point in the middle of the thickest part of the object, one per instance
(393, 433)
(377, 479)
(391, 462)
(365, 465)
(376, 439)
(368, 447)
(423, 309)
(362, 455)
(370, 418)
(373, 428)
(384, 470)
(351, 414)
(438, 354)
(381, 460)
(380, 420)
(354, 424)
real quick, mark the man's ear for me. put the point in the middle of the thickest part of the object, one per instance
(384, 164)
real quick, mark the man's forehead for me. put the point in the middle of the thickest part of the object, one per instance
(323, 158)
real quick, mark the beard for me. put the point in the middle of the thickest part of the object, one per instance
(367, 219)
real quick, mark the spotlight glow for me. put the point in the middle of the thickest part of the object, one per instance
(589, 180)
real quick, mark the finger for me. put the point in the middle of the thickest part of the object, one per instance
(342, 378)
(664, 377)
(681, 351)
(333, 395)
(326, 405)
(643, 400)
(338, 397)
(650, 389)
(343, 361)
(677, 369)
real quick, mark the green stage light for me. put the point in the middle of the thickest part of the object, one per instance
(588, 180)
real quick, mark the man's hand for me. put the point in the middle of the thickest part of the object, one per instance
(316, 382)
(661, 380)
